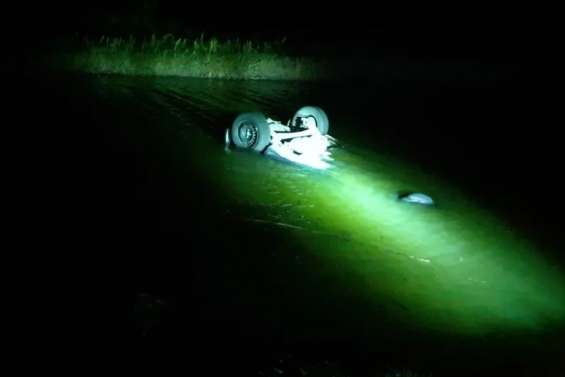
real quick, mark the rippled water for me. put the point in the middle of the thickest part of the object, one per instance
(279, 250)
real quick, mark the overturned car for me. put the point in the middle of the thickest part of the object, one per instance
(303, 139)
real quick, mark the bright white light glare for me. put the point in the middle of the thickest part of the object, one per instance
(308, 148)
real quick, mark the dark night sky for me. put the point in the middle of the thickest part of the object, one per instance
(472, 30)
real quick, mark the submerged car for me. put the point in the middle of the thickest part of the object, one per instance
(303, 139)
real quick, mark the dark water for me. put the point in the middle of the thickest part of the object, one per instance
(223, 261)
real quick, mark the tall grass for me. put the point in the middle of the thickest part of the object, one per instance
(197, 57)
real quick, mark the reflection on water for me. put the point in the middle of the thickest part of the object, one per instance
(337, 244)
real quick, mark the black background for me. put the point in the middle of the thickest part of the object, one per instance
(529, 136)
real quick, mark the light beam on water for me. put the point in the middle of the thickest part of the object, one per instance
(455, 267)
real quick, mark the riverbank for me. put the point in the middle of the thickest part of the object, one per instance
(184, 57)
(203, 57)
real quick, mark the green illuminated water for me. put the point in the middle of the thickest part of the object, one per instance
(324, 254)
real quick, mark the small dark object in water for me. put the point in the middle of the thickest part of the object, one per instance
(417, 198)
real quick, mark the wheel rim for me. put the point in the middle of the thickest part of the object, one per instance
(315, 121)
(247, 134)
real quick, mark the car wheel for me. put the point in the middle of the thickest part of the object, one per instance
(251, 131)
(318, 114)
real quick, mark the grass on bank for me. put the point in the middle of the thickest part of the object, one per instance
(198, 57)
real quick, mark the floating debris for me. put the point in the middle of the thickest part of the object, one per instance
(417, 198)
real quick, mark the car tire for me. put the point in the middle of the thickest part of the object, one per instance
(251, 131)
(318, 114)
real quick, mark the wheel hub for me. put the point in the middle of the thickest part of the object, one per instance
(248, 134)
